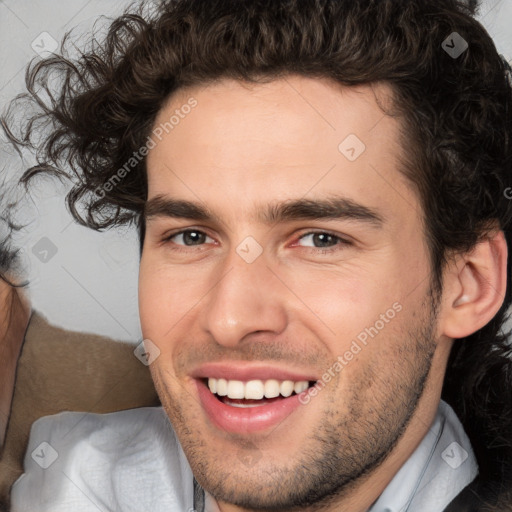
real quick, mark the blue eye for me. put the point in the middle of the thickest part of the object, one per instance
(190, 237)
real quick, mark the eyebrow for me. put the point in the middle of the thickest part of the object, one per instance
(329, 208)
(299, 209)
(161, 206)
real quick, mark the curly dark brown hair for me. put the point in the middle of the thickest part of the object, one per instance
(95, 109)
(9, 256)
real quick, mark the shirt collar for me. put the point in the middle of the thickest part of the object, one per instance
(436, 472)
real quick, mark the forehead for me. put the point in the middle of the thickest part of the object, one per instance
(289, 138)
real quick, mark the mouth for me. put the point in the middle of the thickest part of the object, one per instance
(248, 405)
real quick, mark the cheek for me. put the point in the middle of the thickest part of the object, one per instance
(344, 302)
(167, 297)
(152, 300)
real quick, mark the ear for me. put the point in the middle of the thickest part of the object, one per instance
(474, 286)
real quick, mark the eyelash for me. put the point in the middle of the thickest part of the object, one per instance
(341, 242)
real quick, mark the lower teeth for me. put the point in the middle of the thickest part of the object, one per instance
(246, 403)
(243, 406)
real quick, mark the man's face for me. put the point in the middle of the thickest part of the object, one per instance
(281, 252)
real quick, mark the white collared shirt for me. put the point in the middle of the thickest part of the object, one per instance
(437, 471)
(131, 461)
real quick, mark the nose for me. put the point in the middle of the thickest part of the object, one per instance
(247, 299)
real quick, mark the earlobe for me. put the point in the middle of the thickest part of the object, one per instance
(476, 287)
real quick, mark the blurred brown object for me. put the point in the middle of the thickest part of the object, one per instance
(59, 370)
(14, 318)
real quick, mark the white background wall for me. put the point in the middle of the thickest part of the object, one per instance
(90, 283)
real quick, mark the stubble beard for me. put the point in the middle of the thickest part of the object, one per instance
(343, 449)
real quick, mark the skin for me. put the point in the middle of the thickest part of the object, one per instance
(299, 305)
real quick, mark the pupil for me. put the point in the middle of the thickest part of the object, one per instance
(323, 240)
(193, 238)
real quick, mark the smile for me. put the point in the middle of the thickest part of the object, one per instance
(249, 406)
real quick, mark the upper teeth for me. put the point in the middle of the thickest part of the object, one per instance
(256, 389)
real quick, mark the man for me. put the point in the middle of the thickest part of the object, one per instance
(321, 189)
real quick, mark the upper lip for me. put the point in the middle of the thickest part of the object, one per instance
(245, 372)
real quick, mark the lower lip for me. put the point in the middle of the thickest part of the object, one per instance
(239, 420)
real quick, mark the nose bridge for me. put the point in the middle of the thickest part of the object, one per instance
(244, 300)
